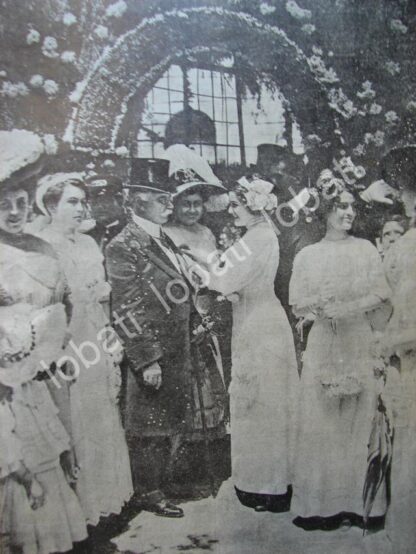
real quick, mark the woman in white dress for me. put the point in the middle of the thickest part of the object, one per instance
(264, 371)
(335, 283)
(104, 483)
(400, 339)
(39, 512)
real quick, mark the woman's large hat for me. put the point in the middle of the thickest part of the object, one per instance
(190, 171)
(150, 174)
(21, 157)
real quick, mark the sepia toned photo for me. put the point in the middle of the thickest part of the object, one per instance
(208, 276)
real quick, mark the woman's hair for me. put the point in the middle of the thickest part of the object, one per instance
(54, 193)
(204, 194)
(329, 198)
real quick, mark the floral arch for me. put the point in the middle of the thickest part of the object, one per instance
(105, 100)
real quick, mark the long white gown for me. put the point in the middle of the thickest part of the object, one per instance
(338, 387)
(105, 482)
(264, 372)
(400, 336)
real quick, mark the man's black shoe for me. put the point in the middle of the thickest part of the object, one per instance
(164, 508)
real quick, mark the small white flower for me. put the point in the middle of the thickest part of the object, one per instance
(51, 145)
(266, 9)
(12, 90)
(411, 106)
(49, 47)
(391, 117)
(33, 37)
(101, 31)
(308, 28)
(117, 9)
(398, 26)
(109, 163)
(296, 11)
(375, 109)
(69, 19)
(359, 150)
(68, 56)
(36, 81)
(367, 91)
(317, 51)
(376, 138)
(3, 73)
(50, 87)
(393, 68)
(122, 151)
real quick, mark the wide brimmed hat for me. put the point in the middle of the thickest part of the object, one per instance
(21, 158)
(190, 171)
(150, 174)
(399, 164)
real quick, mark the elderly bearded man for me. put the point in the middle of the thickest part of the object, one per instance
(168, 359)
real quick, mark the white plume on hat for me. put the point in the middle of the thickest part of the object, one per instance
(183, 159)
(18, 148)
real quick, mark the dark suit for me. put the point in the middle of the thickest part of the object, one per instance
(160, 318)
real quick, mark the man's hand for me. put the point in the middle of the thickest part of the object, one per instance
(380, 192)
(152, 376)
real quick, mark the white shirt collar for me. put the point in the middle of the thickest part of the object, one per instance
(152, 229)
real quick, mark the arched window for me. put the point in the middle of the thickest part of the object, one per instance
(206, 110)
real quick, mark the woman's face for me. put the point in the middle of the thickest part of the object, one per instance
(14, 210)
(189, 208)
(343, 213)
(241, 214)
(71, 208)
(392, 231)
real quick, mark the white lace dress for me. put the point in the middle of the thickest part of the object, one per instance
(338, 387)
(104, 483)
(264, 376)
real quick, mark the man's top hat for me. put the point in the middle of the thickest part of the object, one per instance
(150, 174)
(398, 166)
(274, 160)
(271, 157)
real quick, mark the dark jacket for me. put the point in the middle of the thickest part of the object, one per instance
(156, 302)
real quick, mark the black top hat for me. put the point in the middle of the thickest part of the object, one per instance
(150, 174)
(98, 184)
(398, 166)
(270, 155)
(276, 160)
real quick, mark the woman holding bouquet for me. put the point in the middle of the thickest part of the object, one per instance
(264, 375)
(335, 283)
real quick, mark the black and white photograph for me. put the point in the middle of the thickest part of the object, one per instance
(208, 276)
